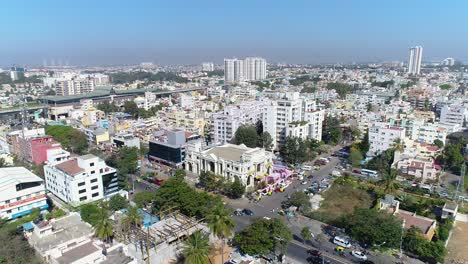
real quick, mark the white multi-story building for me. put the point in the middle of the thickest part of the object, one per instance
(383, 136)
(233, 70)
(315, 121)
(230, 161)
(254, 68)
(427, 132)
(186, 101)
(81, 180)
(74, 86)
(227, 122)
(20, 192)
(414, 63)
(249, 69)
(298, 129)
(207, 66)
(448, 62)
(289, 108)
(454, 114)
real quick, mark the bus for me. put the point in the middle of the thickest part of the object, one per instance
(370, 173)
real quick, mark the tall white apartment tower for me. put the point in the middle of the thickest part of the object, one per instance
(414, 64)
(233, 70)
(249, 69)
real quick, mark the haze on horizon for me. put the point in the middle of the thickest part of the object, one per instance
(190, 32)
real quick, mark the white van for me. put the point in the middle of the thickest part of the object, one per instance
(341, 242)
(307, 168)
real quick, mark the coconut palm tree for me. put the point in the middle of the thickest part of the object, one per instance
(132, 220)
(398, 145)
(104, 228)
(221, 224)
(196, 249)
(389, 181)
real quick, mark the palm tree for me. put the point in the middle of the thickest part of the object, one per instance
(221, 224)
(132, 220)
(196, 249)
(398, 145)
(104, 229)
(389, 181)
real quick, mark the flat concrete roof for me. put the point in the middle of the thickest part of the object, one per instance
(78, 253)
(229, 151)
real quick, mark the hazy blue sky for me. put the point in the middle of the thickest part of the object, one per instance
(185, 32)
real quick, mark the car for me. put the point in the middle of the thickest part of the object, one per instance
(238, 212)
(358, 254)
(310, 177)
(317, 168)
(314, 252)
(357, 171)
(306, 168)
(159, 181)
(304, 182)
(247, 212)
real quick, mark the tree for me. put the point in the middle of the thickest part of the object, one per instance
(294, 150)
(196, 249)
(103, 228)
(331, 132)
(364, 144)
(439, 143)
(389, 181)
(144, 198)
(259, 127)
(117, 202)
(372, 227)
(180, 173)
(247, 135)
(107, 107)
(237, 189)
(266, 141)
(445, 86)
(131, 108)
(210, 181)
(355, 157)
(300, 200)
(415, 243)
(3, 163)
(221, 224)
(305, 233)
(90, 213)
(398, 145)
(70, 138)
(341, 88)
(263, 237)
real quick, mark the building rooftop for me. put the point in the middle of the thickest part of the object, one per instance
(87, 157)
(411, 219)
(229, 151)
(15, 175)
(78, 253)
(70, 167)
(65, 229)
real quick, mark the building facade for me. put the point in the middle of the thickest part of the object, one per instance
(414, 63)
(81, 180)
(230, 161)
(20, 192)
(383, 137)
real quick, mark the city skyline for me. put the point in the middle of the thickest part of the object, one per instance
(109, 33)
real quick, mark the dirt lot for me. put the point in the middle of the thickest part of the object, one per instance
(340, 199)
(458, 244)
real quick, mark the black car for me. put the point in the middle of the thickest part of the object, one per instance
(314, 252)
(248, 212)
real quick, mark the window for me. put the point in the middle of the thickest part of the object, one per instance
(93, 180)
(81, 184)
(92, 172)
(95, 194)
(94, 187)
(8, 212)
(91, 164)
(83, 198)
(18, 198)
(82, 191)
(7, 201)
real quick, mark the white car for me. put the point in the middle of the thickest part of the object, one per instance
(304, 183)
(359, 255)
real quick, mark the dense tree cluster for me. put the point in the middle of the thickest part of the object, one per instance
(342, 89)
(263, 236)
(107, 107)
(175, 193)
(384, 84)
(125, 160)
(331, 132)
(212, 182)
(131, 108)
(373, 228)
(219, 73)
(452, 156)
(432, 252)
(130, 77)
(252, 137)
(70, 138)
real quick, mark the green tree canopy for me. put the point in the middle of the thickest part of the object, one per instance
(266, 141)
(236, 188)
(294, 150)
(439, 143)
(373, 227)
(300, 200)
(196, 249)
(143, 198)
(263, 236)
(415, 243)
(70, 138)
(247, 135)
(117, 202)
(355, 157)
(107, 107)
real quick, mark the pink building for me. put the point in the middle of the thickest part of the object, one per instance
(33, 149)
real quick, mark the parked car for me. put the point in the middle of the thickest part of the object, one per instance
(247, 212)
(358, 254)
(306, 168)
(238, 212)
(159, 181)
(357, 171)
(314, 252)
(304, 182)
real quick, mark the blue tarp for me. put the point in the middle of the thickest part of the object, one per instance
(28, 226)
